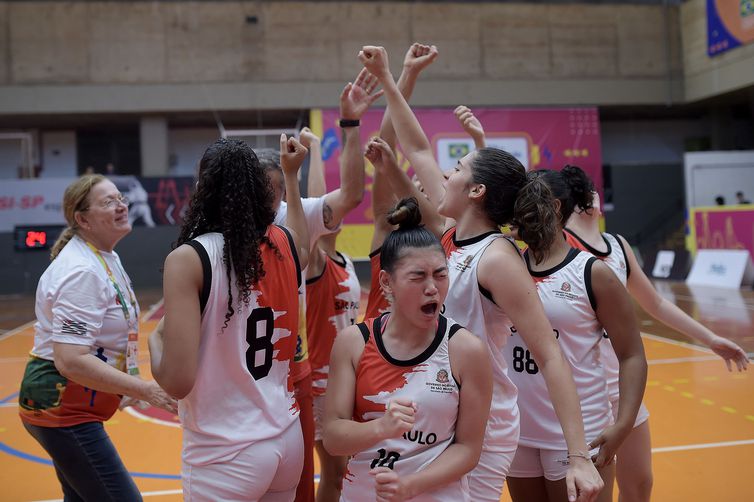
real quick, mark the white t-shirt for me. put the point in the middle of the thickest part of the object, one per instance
(313, 214)
(76, 303)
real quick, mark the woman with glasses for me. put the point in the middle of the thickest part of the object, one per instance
(85, 347)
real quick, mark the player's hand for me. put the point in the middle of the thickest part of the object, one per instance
(292, 155)
(583, 482)
(375, 61)
(380, 154)
(388, 486)
(398, 418)
(470, 123)
(730, 352)
(358, 96)
(419, 56)
(307, 137)
(608, 442)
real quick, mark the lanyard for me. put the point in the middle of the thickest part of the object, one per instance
(122, 300)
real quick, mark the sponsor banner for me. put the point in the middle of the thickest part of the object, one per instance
(730, 24)
(722, 268)
(153, 201)
(721, 227)
(541, 138)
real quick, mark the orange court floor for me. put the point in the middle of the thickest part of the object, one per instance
(702, 416)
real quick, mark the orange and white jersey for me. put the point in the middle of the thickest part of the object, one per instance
(377, 303)
(428, 381)
(615, 258)
(566, 294)
(473, 307)
(332, 304)
(242, 392)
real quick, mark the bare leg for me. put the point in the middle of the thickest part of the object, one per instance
(634, 466)
(332, 470)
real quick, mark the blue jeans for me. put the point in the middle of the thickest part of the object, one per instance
(86, 462)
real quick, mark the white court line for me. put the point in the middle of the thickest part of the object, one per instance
(702, 446)
(16, 330)
(676, 343)
(682, 360)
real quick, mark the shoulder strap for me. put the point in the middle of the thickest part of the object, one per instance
(206, 272)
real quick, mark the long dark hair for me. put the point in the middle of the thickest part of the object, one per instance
(233, 196)
(409, 234)
(503, 176)
(536, 216)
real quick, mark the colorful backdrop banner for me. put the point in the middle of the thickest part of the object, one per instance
(541, 138)
(721, 227)
(152, 201)
(730, 23)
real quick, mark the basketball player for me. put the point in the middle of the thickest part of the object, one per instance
(231, 317)
(582, 298)
(490, 289)
(409, 391)
(634, 465)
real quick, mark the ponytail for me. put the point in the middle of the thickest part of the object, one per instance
(536, 216)
(62, 240)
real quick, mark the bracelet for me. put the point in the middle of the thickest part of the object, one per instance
(580, 454)
(349, 123)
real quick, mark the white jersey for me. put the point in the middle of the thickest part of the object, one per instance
(566, 294)
(242, 392)
(615, 258)
(473, 308)
(427, 380)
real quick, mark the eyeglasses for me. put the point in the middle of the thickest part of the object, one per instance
(111, 202)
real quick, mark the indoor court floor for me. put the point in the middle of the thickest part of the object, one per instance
(702, 416)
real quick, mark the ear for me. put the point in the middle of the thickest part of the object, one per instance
(80, 218)
(477, 191)
(384, 279)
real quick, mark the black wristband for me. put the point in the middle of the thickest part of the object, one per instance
(349, 123)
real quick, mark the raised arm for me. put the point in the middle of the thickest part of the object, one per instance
(615, 312)
(413, 141)
(355, 100)
(418, 57)
(471, 125)
(399, 186)
(470, 364)
(341, 434)
(518, 297)
(315, 181)
(292, 154)
(668, 313)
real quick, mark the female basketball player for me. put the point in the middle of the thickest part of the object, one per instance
(409, 391)
(582, 298)
(490, 288)
(634, 468)
(231, 314)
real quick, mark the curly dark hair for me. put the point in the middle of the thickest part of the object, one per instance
(233, 197)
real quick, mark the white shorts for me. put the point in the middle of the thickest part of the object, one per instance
(488, 477)
(318, 403)
(267, 471)
(536, 463)
(641, 417)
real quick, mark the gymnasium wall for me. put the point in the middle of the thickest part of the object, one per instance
(92, 57)
(142, 252)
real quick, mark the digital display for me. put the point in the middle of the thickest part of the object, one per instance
(36, 237)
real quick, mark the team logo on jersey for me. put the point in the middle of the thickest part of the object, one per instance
(442, 383)
(566, 287)
(442, 376)
(465, 264)
(565, 292)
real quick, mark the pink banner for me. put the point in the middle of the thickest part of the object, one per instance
(541, 138)
(723, 228)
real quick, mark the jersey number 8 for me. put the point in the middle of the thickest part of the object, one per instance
(523, 361)
(259, 329)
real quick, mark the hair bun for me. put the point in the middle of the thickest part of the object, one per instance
(406, 214)
(580, 184)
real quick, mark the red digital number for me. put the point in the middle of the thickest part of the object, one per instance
(36, 239)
